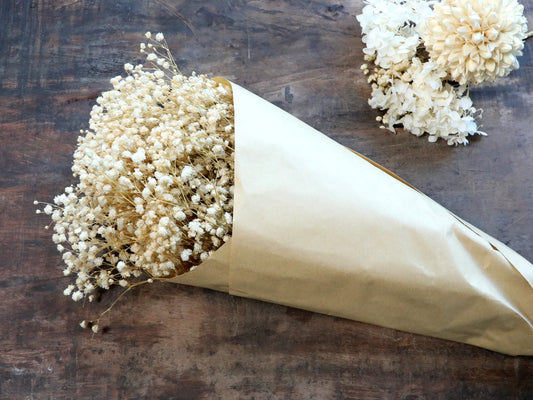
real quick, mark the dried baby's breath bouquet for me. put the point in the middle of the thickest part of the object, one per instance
(155, 169)
(423, 56)
(194, 182)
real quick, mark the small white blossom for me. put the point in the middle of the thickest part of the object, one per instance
(77, 295)
(139, 155)
(185, 254)
(68, 290)
(187, 173)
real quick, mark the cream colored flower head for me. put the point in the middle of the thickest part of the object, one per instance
(476, 40)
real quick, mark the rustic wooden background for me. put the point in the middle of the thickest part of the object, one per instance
(167, 341)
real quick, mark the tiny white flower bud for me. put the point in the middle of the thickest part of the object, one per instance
(68, 290)
(185, 254)
(77, 295)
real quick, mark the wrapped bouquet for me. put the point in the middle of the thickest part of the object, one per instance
(200, 182)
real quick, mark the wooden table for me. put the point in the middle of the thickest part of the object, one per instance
(167, 341)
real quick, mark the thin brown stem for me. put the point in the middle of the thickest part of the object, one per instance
(120, 297)
(528, 35)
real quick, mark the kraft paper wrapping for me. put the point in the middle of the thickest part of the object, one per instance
(320, 228)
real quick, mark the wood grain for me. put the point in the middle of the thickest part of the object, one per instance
(167, 341)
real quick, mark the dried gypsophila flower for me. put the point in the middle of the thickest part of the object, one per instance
(410, 89)
(475, 40)
(155, 191)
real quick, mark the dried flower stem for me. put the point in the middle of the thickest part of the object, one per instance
(108, 309)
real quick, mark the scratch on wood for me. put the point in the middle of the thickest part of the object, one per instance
(516, 366)
(248, 38)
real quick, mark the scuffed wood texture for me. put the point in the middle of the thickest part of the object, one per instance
(171, 342)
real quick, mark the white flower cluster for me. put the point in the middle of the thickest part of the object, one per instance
(155, 191)
(415, 96)
(390, 29)
(414, 87)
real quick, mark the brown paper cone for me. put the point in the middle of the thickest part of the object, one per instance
(323, 229)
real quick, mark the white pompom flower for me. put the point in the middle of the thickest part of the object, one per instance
(476, 40)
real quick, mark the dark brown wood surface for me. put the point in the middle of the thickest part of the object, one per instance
(167, 341)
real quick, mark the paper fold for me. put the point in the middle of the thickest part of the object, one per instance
(320, 228)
